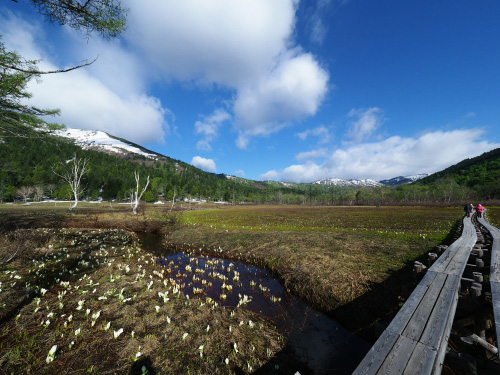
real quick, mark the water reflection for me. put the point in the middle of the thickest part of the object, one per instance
(319, 342)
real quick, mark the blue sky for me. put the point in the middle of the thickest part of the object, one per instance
(281, 89)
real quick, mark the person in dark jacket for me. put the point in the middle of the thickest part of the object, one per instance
(467, 209)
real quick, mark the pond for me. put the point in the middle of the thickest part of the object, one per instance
(318, 342)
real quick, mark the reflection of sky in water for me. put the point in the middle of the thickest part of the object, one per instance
(318, 341)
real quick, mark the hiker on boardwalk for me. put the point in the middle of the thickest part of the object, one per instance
(479, 210)
(468, 209)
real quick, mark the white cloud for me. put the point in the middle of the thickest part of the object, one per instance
(239, 172)
(242, 141)
(317, 27)
(321, 132)
(95, 97)
(209, 128)
(395, 156)
(243, 45)
(365, 123)
(205, 164)
(221, 41)
(313, 154)
(86, 103)
(293, 90)
(270, 175)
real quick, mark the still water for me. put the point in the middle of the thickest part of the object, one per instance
(317, 341)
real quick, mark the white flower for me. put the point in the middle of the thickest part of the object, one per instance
(208, 328)
(117, 333)
(157, 308)
(77, 332)
(235, 347)
(52, 354)
(43, 291)
(107, 326)
(227, 361)
(80, 304)
(185, 335)
(168, 320)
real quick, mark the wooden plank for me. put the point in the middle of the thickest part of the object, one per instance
(494, 274)
(436, 329)
(495, 263)
(452, 260)
(377, 354)
(398, 324)
(416, 340)
(495, 297)
(417, 323)
(422, 360)
(397, 360)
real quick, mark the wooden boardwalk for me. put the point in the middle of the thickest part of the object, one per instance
(494, 272)
(416, 340)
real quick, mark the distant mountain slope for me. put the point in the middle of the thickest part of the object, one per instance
(101, 141)
(351, 182)
(396, 181)
(481, 170)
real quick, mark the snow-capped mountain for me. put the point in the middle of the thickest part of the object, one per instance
(403, 179)
(101, 141)
(351, 182)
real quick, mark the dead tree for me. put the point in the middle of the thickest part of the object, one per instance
(73, 177)
(25, 192)
(136, 197)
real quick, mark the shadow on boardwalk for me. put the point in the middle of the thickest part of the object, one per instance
(369, 314)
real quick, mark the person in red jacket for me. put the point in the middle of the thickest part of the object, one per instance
(479, 210)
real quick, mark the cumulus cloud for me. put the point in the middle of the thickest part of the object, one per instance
(364, 124)
(394, 156)
(245, 46)
(294, 89)
(321, 132)
(209, 127)
(94, 97)
(205, 164)
(270, 175)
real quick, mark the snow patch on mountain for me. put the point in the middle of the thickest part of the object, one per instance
(403, 179)
(351, 182)
(94, 139)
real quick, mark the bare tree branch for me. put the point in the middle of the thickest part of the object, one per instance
(50, 71)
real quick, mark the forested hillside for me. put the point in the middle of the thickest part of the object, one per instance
(32, 161)
(481, 174)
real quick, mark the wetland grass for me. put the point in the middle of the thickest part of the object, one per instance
(81, 283)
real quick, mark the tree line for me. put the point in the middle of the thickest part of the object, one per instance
(31, 169)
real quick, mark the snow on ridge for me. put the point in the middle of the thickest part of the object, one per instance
(404, 179)
(87, 139)
(351, 182)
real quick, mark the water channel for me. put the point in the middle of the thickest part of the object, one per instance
(319, 343)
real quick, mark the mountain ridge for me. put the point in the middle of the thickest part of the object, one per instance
(105, 142)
